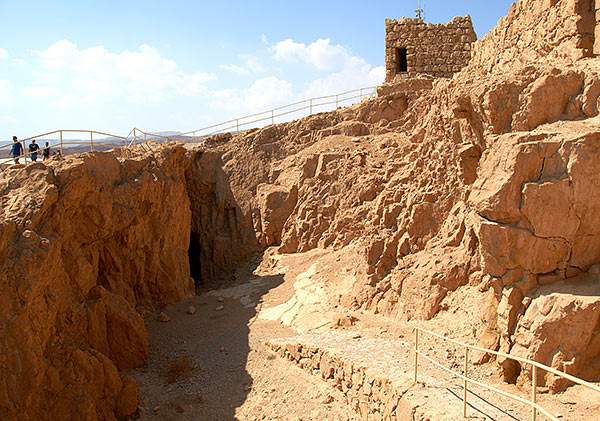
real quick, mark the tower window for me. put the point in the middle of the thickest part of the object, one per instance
(401, 60)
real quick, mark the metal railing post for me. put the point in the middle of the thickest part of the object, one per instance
(466, 383)
(272, 117)
(61, 142)
(311, 106)
(144, 137)
(194, 137)
(416, 352)
(25, 151)
(337, 101)
(237, 125)
(92, 140)
(533, 390)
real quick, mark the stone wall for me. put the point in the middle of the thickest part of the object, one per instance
(439, 50)
(535, 29)
(370, 395)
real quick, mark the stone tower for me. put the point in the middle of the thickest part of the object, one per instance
(414, 47)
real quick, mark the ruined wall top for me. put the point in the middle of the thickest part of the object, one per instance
(537, 29)
(414, 47)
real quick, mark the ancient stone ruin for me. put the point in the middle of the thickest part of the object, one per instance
(182, 281)
(413, 47)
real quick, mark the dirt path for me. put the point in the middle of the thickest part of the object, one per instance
(214, 365)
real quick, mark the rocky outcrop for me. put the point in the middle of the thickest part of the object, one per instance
(86, 240)
(275, 203)
(481, 181)
(221, 235)
(571, 307)
(83, 241)
(534, 30)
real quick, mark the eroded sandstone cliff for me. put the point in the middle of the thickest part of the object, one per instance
(83, 242)
(485, 180)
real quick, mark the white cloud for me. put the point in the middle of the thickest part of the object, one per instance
(320, 54)
(3, 54)
(342, 70)
(264, 94)
(95, 74)
(339, 71)
(356, 75)
(235, 69)
(268, 92)
(6, 93)
(264, 39)
(253, 62)
(40, 91)
(20, 62)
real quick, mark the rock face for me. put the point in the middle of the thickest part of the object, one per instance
(485, 180)
(534, 30)
(83, 241)
(573, 307)
(484, 185)
(221, 235)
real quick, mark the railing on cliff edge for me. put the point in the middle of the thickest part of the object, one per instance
(532, 403)
(236, 124)
(62, 142)
(137, 136)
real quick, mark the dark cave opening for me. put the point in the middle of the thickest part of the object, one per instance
(194, 251)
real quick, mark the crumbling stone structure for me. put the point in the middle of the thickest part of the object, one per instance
(414, 47)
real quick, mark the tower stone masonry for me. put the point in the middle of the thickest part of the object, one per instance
(413, 47)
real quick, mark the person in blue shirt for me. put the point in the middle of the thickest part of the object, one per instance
(17, 150)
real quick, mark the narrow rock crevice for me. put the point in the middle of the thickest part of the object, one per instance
(194, 252)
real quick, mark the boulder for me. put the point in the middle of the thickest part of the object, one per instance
(561, 329)
(275, 204)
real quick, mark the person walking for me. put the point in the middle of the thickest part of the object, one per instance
(33, 148)
(46, 152)
(17, 150)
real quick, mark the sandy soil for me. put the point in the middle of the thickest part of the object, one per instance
(213, 364)
(225, 371)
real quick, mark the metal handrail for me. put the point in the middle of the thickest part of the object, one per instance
(61, 142)
(270, 114)
(535, 365)
(139, 136)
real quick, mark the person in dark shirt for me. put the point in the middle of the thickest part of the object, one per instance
(17, 150)
(33, 148)
(46, 152)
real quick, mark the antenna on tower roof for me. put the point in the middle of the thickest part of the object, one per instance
(419, 11)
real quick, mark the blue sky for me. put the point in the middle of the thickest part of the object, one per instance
(176, 65)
